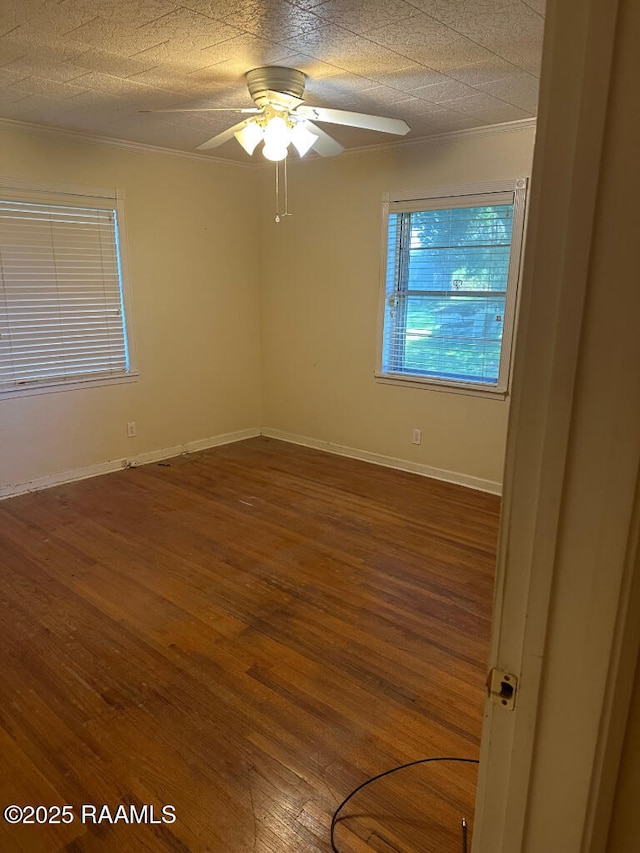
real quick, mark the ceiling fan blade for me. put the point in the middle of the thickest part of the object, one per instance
(325, 145)
(207, 110)
(367, 122)
(223, 137)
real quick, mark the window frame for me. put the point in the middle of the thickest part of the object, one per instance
(98, 198)
(466, 195)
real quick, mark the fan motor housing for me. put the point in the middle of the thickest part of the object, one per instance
(274, 78)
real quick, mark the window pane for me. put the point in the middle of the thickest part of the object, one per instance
(463, 226)
(469, 268)
(446, 292)
(61, 305)
(454, 337)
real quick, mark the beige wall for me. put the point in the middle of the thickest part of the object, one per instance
(211, 274)
(319, 295)
(195, 301)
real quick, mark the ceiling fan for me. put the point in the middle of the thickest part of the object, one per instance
(280, 118)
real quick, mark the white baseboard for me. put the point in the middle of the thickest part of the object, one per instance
(61, 477)
(191, 447)
(478, 483)
(127, 462)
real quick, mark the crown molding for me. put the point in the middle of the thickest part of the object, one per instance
(435, 139)
(419, 141)
(448, 136)
(95, 139)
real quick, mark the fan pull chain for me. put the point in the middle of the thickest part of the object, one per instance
(286, 191)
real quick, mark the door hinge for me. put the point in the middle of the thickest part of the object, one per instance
(502, 688)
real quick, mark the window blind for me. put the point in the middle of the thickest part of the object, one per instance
(446, 290)
(61, 302)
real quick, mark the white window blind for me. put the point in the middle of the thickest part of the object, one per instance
(61, 300)
(449, 296)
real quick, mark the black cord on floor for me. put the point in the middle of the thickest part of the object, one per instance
(334, 819)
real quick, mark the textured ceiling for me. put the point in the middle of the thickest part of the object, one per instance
(91, 65)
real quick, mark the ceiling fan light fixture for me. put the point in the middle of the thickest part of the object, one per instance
(302, 138)
(282, 118)
(250, 136)
(277, 135)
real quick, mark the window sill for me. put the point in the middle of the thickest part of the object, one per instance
(443, 386)
(30, 390)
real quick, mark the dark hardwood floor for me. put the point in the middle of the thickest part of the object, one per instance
(245, 634)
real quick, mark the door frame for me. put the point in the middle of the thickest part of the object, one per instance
(567, 600)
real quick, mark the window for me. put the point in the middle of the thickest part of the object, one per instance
(451, 272)
(62, 300)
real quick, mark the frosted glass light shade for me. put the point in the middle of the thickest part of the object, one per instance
(302, 138)
(249, 136)
(273, 151)
(276, 139)
(276, 132)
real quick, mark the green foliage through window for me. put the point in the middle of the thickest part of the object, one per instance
(446, 300)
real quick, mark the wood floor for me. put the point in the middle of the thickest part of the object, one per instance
(245, 634)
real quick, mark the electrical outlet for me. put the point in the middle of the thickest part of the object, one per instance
(131, 429)
(417, 436)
